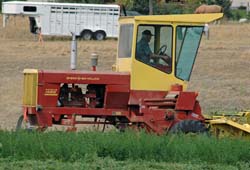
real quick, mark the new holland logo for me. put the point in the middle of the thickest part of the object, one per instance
(83, 78)
(50, 92)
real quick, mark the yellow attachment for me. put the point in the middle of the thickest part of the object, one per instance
(246, 114)
(30, 87)
(231, 125)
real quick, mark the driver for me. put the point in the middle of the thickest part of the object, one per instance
(143, 51)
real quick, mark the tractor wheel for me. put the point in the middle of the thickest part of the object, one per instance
(21, 125)
(27, 125)
(189, 126)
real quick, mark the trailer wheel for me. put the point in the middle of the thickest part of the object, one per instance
(100, 35)
(189, 126)
(87, 35)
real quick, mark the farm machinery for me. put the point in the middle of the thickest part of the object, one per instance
(230, 125)
(145, 89)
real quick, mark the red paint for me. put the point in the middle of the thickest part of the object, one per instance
(137, 95)
(186, 101)
(108, 96)
(176, 87)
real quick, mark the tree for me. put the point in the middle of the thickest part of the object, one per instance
(127, 3)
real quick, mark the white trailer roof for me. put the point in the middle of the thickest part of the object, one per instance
(61, 4)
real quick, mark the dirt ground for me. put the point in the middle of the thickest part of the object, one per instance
(221, 74)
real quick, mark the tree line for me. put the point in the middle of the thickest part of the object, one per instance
(157, 6)
(161, 7)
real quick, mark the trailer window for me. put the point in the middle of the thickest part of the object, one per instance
(125, 40)
(29, 9)
(187, 44)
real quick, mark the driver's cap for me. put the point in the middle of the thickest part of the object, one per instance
(147, 32)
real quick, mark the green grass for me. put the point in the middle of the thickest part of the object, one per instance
(239, 13)
(111, 164)
(73, 149)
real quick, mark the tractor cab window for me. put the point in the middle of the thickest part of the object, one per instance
(125, 40)
(154, 46)
(187, 44)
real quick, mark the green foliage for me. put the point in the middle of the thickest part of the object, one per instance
(239, 13)
(242, 8)
(127, 3)
(141, 6)
(169, 8)
(176, 8)
(70, 147)
(82, 1)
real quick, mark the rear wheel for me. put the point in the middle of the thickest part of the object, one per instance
(189, 126)
(100, 35)
(87, 35)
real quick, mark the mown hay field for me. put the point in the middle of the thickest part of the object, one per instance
(220, 75)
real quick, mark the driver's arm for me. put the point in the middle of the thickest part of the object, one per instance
(155, 56)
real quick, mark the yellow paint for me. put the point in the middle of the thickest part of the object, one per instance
(126, 20)
(30, 87)
(83, 78)
(230, 125)
(47, 94)
(225, 127)
(50, 92)
(224, 120)
(117, 113)
(187, 18)
(144, 77)
(124, 65)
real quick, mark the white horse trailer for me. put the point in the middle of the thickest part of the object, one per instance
(88, 21)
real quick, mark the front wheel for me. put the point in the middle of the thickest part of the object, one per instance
(189, 126)
(22, 125)
(28, 125)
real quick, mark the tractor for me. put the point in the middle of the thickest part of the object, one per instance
(143, 91)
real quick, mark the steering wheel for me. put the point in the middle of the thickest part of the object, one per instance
(162, 50)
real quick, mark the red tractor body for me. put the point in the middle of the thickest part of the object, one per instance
(146, 91)
(62, 96)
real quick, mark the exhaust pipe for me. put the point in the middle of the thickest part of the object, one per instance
(94, 61)
(73, 58)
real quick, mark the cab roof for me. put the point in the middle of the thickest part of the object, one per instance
(182, 18)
